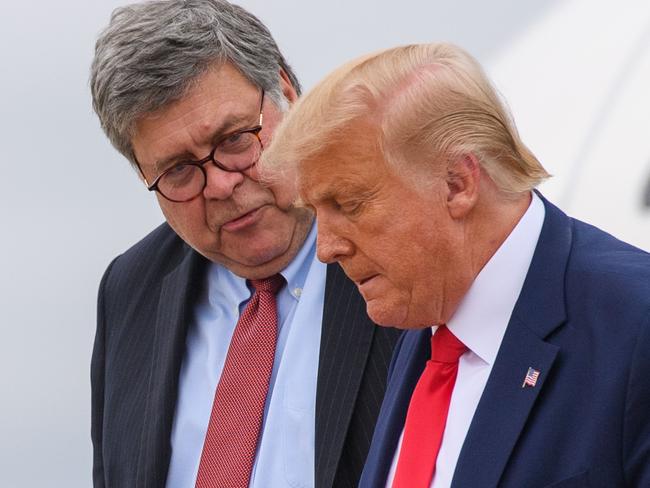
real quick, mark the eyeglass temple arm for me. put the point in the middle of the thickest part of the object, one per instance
(144, 178)
(261, 106)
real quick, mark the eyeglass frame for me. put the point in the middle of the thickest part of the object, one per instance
(210, 157)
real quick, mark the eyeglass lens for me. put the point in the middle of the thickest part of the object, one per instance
(236, 153)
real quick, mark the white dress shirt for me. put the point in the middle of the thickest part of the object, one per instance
(285, 454)
(480, 323)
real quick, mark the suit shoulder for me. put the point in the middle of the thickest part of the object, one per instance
(597, 252)
(608, 273)
(146, 261)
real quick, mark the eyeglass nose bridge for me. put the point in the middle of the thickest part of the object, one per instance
(219, 182)
(216, 164)
(219, 165)
(250, 163)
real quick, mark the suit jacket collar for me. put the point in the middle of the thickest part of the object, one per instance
(177, 294)
(505, 405)
(346, 338)
(411, 354)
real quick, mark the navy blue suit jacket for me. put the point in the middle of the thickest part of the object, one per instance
(583, 320)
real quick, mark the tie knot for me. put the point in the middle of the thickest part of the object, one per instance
(445, 346)
(272, 283)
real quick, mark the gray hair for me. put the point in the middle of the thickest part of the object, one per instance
(152, 52)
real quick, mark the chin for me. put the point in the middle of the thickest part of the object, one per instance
(394, 316)
(254, 271)
(256, 252)
(385, 315)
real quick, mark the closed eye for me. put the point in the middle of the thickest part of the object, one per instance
(351, 207)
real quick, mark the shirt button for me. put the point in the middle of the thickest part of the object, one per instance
(297, 292)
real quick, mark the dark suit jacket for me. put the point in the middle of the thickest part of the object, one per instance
(583, 320)
(146, 301)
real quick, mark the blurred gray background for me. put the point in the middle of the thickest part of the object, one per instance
(575, 73)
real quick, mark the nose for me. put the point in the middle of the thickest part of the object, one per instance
(330, 245)
(220, 184)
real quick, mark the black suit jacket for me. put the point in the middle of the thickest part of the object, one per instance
(146, 300)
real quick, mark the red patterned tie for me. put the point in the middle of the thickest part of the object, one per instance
(427, 413)
(238, 408)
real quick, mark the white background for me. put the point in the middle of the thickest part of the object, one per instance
(575, 72)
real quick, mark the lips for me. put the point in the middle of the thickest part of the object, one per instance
(369, 286)
(243, 221)
(365, 280)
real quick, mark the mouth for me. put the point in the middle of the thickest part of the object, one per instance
(243, 221)
(363, 281)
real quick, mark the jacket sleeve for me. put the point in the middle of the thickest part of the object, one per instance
(636, 428)
(97, 379)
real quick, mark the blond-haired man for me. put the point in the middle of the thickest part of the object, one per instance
(524, 357)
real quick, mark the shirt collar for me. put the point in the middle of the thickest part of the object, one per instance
(225, 285)
(482, 317)
(296, 272)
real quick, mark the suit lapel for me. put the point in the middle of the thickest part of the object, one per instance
(178, 290)
(504, 408)
(505, 405)
(346, 338)
(410, 357)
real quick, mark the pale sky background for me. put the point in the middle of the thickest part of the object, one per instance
(575, 73)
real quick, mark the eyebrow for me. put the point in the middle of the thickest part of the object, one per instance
(338, 189)
(223, 129)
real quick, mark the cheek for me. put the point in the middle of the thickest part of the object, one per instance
(284, 191)
(415, 269)
(168, 209)
(187, 219)
(399, 255)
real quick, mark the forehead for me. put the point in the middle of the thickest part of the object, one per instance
(349, 166)
(219, 99)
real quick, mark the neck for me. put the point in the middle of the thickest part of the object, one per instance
(484, 231)
(496, 219)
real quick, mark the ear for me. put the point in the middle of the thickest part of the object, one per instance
(288, 89)
(463, 178)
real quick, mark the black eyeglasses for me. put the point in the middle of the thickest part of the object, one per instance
(236, 151)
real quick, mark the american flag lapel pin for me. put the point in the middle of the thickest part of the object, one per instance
(531, 378)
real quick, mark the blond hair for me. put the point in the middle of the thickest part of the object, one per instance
(429, 102)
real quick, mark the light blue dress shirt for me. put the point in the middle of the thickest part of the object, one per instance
(285, 456)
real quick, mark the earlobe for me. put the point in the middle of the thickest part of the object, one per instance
(463, 178)
(288, 89)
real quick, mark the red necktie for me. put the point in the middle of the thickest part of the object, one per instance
(427, 413)
(238, 409)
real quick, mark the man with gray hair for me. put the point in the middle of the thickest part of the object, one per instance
(524, 362)
(226, 355)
